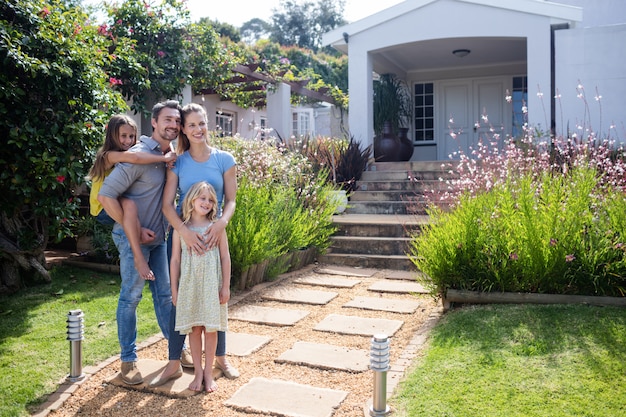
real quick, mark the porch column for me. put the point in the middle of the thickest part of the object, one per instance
(538, 53)
(279, 111)
(361, 110)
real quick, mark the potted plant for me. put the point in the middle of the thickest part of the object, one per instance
(392, 111)
(344, 161)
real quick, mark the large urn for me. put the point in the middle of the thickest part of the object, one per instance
(406, 145)
(387, 145)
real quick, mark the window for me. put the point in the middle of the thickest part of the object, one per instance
(263, 127)
(302, 123)
(519, 99)
(224, 123)
(424, 97)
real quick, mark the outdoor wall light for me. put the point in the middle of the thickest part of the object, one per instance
(461, 52)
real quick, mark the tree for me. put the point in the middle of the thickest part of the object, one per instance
(254, 30)
(159, 36)
(225, 30)
(55, 99)
(303, 24)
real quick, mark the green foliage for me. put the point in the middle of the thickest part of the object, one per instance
(33, 333)
(341, 160)
(303, 23)
(392, 103)
(52, 112)
(211, 63)
(518, 361)
(283, 204)
(554, 235)
(271, 221)
(160, 44)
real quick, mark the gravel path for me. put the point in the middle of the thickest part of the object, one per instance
(96, 397)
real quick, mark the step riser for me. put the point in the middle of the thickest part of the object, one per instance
(414, 186)
(388, 207)
(415, 177)
(442, 166)
(386, 196)
(376, 230)
(372, 247)
(402, 264)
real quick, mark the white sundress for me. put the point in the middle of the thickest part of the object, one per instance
(198, 291)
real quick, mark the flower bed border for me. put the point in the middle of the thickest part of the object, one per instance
(476, 297)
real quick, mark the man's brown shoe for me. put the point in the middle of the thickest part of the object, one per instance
(130, 373)
(185, 359)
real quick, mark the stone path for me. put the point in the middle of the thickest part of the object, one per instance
(286, 304)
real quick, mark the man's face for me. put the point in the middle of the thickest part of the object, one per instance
(167, 125)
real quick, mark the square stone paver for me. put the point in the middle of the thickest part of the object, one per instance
(284, 398)
(324, 356)
(327, 281)
(267, 315)
(299, 295)
(244, 344)
(403, 275)
(398, 286)
(150, 368)
(361, 326)
(345, 270)
(393, 305)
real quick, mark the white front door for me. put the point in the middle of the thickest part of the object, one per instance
(469, 110)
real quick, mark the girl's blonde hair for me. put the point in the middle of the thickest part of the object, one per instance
(111, 143)
(183, 141)
(193, 194)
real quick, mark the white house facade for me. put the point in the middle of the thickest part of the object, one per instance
(475, 66)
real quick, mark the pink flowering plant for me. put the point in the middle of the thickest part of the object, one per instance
(536, 214)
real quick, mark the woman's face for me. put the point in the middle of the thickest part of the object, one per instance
(127, 136)
(195, 127)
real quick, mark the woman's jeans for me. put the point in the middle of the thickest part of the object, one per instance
(176, 341)
(132, 289)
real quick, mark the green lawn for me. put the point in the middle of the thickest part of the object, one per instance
(521, 360)
(34, 351)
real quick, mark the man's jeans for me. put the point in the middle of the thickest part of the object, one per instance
(131, 292)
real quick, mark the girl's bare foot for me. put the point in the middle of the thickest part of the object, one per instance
(209, 384)
(196, 384)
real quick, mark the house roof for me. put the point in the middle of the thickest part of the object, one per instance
(557, 12)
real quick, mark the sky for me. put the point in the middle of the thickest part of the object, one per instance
(236, 12)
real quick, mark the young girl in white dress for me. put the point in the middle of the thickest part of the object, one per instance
(200, 284)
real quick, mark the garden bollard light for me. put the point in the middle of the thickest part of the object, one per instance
(75, 333)
(379, 363)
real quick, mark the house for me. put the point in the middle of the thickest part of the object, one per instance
(475, 66)
(276, 116)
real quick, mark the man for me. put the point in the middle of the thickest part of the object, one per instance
(144, 185)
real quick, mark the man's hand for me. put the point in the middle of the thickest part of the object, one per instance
(147, 236)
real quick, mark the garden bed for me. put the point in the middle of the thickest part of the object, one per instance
(477, 297)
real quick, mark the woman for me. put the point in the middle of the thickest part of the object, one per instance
(197, 161)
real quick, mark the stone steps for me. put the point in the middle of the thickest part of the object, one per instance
(388, 206)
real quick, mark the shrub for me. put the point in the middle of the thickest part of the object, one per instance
(545, 234)
(342, 160)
